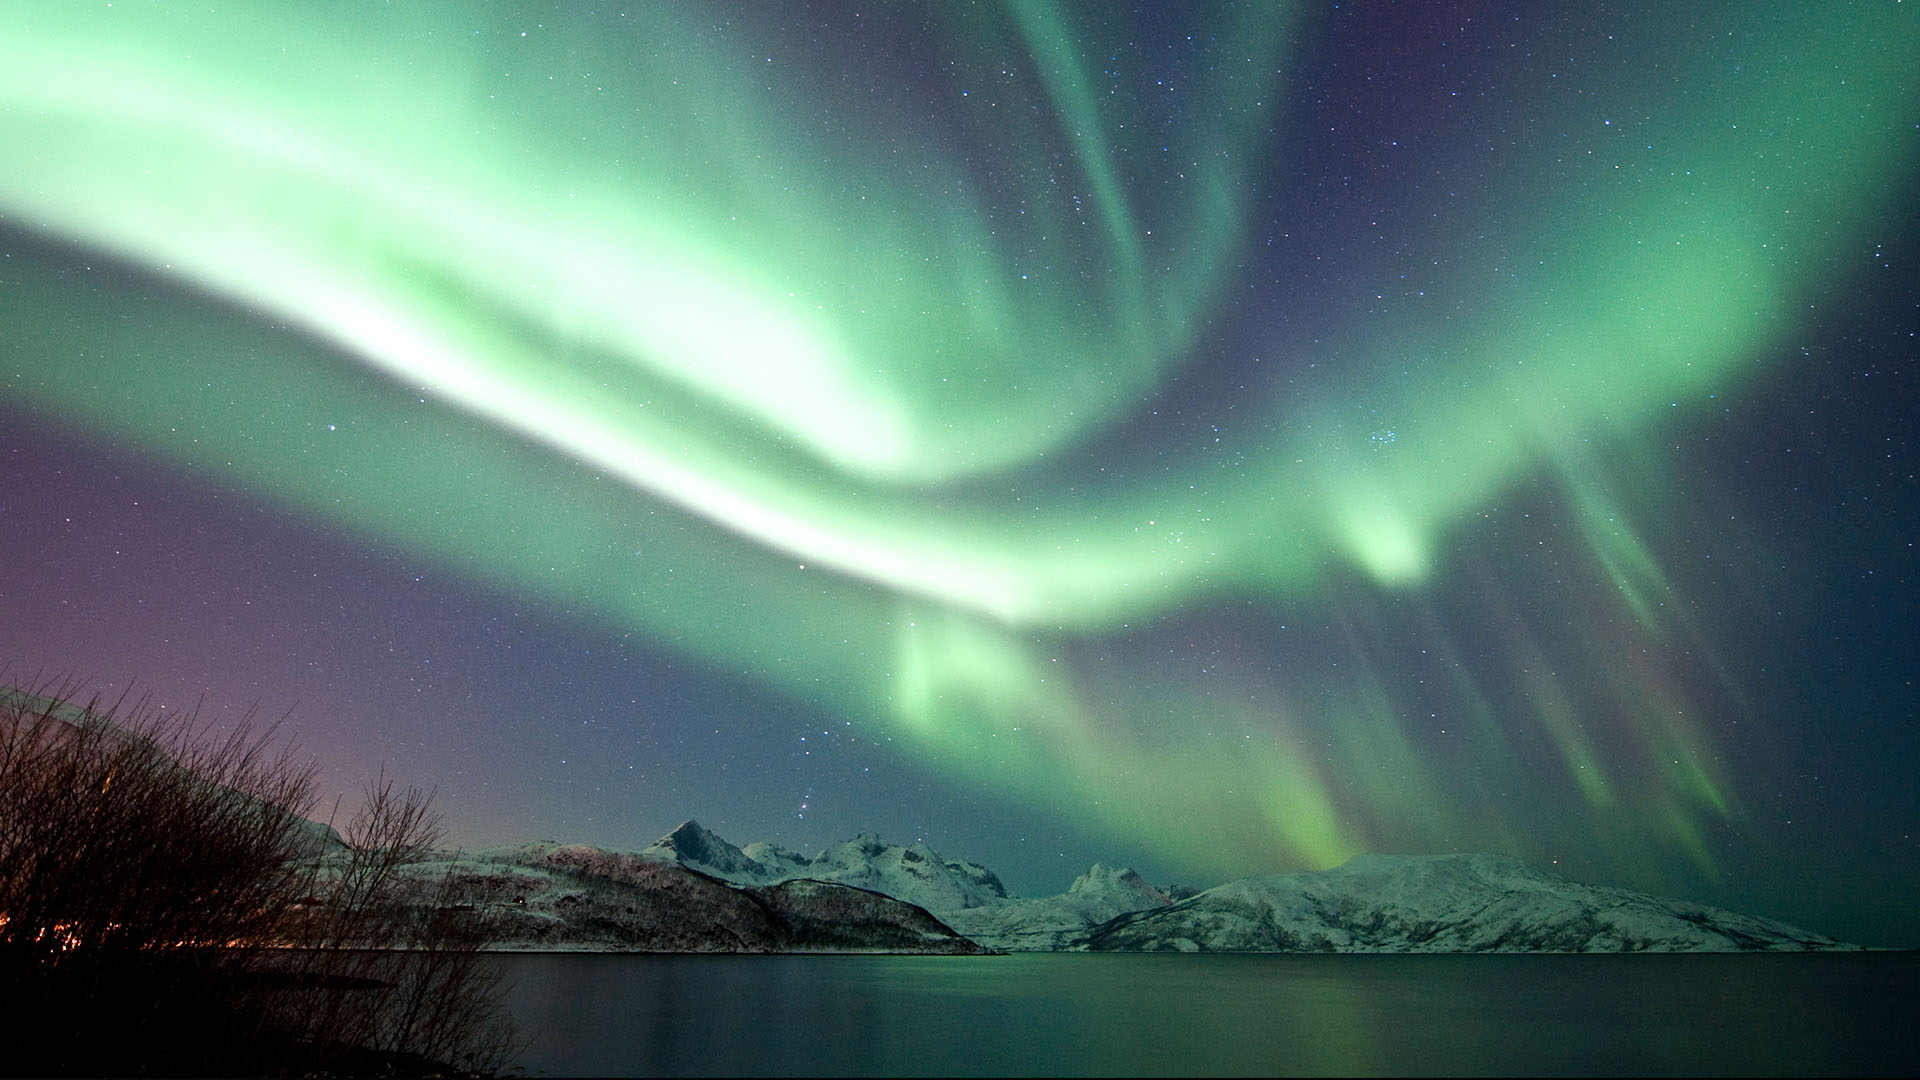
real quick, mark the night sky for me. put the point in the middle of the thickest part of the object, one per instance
(1217, 441)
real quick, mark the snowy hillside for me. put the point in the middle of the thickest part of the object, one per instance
(1440, 903)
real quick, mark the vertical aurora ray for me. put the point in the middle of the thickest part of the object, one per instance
(823, 337)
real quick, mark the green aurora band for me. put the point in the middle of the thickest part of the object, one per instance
(820, 347)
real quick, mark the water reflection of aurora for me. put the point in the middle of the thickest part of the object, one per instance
(1063, 395)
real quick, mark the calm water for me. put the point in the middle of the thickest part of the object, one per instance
(1092, 1015)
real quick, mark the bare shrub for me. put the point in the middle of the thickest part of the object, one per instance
(166, 907)
(373, 923)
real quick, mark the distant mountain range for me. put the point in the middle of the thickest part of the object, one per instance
(692, 891)
(573, 897)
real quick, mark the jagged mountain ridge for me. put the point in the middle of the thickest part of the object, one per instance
(1373, 903)
(964, 895)
(914, 873)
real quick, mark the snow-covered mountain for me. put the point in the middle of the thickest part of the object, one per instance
(1058, 922)
(574, 897)
(1440, 903)
(692, 891)
(966, 896)
(693, 846)
(1374, 903)
(915, 873)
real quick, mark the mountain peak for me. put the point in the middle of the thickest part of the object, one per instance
(695, 847)
(1106, 891)
(686, 830)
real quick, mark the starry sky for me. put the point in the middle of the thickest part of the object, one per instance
(1218, 439)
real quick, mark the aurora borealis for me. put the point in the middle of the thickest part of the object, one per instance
(1225, 440)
